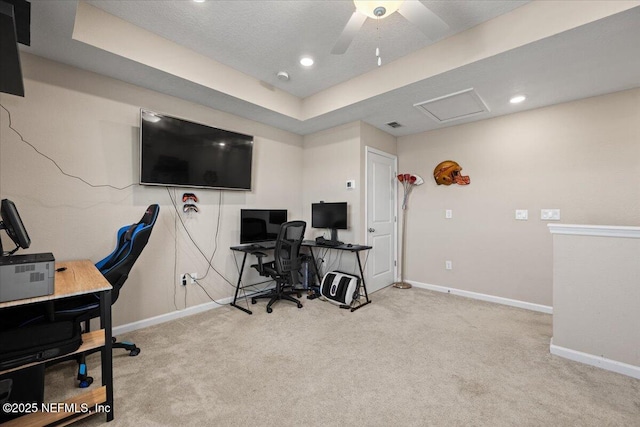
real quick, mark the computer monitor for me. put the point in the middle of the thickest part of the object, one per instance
(13, 225)
(261, 225)
(329, 215)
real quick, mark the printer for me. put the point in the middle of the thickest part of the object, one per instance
(26, 276)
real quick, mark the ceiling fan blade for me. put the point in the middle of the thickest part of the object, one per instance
(349, 33)
(423, 18)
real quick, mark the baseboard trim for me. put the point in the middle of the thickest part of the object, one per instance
(597, 361)
(484, 297)
(162, 318)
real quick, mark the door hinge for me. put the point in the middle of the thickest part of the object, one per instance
(395, 263)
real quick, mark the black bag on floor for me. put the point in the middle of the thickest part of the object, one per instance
(19, 346)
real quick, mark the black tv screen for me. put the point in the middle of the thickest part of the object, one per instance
(180, 153)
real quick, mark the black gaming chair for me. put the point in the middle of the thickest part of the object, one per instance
(285, 265)
(115, 267)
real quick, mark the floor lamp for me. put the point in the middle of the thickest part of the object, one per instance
(408, 181)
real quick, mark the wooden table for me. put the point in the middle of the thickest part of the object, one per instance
(78, 278)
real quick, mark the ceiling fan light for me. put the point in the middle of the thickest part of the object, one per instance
(367, 7)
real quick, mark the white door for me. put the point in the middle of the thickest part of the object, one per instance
(381, 218)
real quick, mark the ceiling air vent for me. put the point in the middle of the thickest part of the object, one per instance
(455, 106)
(394, 124)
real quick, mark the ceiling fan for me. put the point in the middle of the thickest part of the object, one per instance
(413, 10)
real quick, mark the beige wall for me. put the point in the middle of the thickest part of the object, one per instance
(581, 157)
(330, 159)
(89, 124)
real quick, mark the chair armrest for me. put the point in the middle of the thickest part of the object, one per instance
(259, 267)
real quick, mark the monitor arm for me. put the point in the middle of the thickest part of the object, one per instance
(2, 253)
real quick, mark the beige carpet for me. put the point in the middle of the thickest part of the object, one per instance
(411, 358)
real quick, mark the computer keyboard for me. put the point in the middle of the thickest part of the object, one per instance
(330, 243)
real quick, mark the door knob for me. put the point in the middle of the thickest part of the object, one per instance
(371, 230)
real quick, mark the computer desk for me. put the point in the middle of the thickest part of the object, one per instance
(78, 278)
(353, 248)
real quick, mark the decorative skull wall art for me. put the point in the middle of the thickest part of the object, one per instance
(448, 172)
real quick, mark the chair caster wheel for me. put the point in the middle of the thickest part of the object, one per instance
(299, 295)
(134, 352)
(253, 300)
(299, 305)
(113, 340)
(269, 309)
(86, 382)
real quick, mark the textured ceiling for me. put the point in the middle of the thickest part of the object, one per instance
(260, 38)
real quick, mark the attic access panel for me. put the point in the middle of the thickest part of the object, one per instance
(455, 106)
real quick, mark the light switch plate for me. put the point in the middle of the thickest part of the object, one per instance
(448, 213)
(522, 214)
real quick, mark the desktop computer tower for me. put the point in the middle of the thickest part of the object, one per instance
(26, 276)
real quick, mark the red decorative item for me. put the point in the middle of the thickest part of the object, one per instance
(408, 181)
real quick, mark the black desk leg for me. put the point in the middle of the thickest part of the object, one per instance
(235, 297)
(315, 266)
(107, 356)
(364, 285)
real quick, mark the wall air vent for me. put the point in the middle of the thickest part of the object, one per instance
(394, 124)
(455, 106)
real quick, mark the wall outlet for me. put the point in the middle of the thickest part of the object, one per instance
(550, 214)
(448, 265)
(351, 184)
(183, 279)
(448, 214)
(522, 214)
(193, 277)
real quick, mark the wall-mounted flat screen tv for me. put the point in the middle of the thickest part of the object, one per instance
(179, 153)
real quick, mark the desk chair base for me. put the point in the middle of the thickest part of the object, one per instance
(85, 380)
(276, 296)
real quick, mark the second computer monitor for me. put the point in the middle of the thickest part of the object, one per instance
(260, 225)
(329, 215)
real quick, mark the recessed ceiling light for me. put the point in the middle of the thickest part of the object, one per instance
(199, 1)
(517, 99)
(306, 61)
